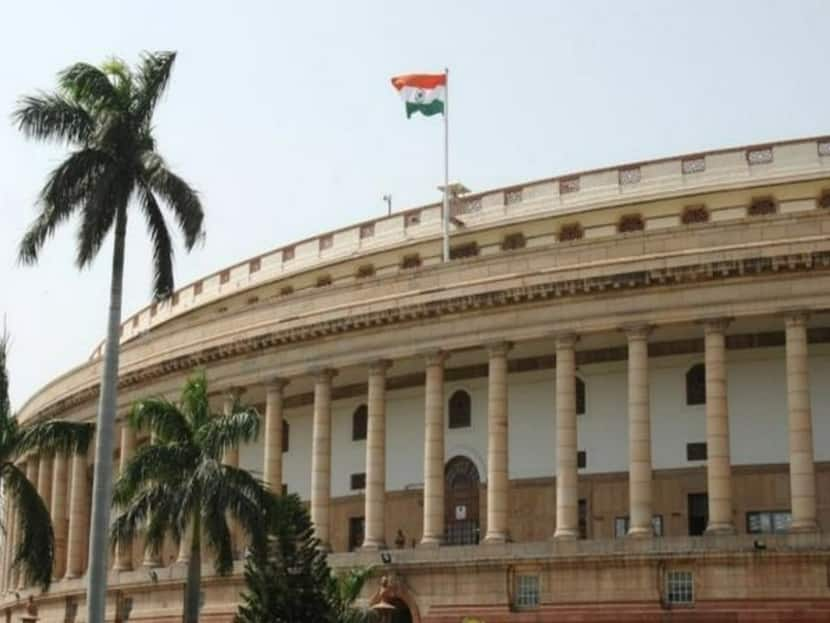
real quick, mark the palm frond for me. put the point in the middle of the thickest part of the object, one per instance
(56, 436)
(151, 80)
(162, 246)
(161, 417)
(170, 463)
(218, 538)
(237, 492)
(228, 431)
(5, 403)
(51, 117)
(100, 211)
(195, 401)
(177, 194)
(36, 549)
(88, 86)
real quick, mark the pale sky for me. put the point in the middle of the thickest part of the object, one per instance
(282, 116)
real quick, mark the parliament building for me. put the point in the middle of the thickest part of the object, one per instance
(611, 403)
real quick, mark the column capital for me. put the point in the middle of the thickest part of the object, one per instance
(275, 384)
(435, 357)
(566, 339)
(500, 348)
(796, 317)
(637, 331)
(378, 366)
(715, 325)
(322, 373)
(234, 392)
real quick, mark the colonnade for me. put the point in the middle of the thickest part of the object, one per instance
(71, 529)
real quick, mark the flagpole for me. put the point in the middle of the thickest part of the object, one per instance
(446, 214)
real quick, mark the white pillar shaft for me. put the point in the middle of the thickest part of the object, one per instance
(44, 481)
(639, 435)
(498, 493)
(272, 459)
(434, 450)
(78, 518)
(802, 466)
(718, 464)
(124, 551)
(376, 458)
(567, 492)
(231, 458)
(321, 457)
(60, 520)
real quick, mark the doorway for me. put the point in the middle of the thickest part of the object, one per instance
(461, 491)
(401, 613)
(698, 506)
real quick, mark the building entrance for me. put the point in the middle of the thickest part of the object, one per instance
(698, 513)
(461, 491)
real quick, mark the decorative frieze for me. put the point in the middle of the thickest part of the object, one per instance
(759, 155)
(630, 175)
(693, 165)
(568, 185)
(824, 148)
(513, 196)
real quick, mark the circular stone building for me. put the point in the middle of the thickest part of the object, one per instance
(612, 403)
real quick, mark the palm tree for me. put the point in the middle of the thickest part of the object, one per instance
(35, 551)
(178, 484)
(104, 115)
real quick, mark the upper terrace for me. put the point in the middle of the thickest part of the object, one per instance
(600, 188)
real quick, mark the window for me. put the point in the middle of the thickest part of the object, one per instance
(359, 423)
(225, 276)
(582, 459)
(761, 207)
(512, 242)
(527, 591)
(287, 254)
(623, 524)
(70, 610)
(570, 231)
(679, 587)
(286, 290)
(696, 451)
(197, 288)
(367, 230)
(768, 522)
(460, 409)
(580, 396)
(286, 433)
(326, 242)
(357, 530)
(696, 385)
(323, 280)
(631, 222)
(694, 214)
(824, 200)
(254, 265)
(357, 482)
(412, 218)
(365, 271)
(411, 261)
(462, 251)
(583, 518)
(568, 185)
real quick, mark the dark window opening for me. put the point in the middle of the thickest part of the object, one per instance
(694, 214)
(365, 271)
(696, 451)
(286, 430)
(582, 459)
(411, 261)
(696, 385)
(761, 207)
(357, 482)
(512, 242)
(570, 231)
(698, 504)
(583, 518)
(360, 419)
(357, 530)
(460, 410)
(768, 522)
(580, 396)
(462, 251)
(631, 222)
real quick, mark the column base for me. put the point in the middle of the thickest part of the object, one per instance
(151, 564)
(640, 533)
(495, 539)
(718, 529)
(431, 542)
(373, 546)
(803, 527)
(122, 568)
(566, 534)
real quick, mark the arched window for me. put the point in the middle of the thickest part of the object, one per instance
(360, 419)
(696, 385)
(460, 409)
(580, 396)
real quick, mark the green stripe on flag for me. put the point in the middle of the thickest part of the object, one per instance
(435, 107)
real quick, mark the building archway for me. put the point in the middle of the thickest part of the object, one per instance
(461, 501)
(401, 613)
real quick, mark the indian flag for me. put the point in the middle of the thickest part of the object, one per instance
(423, 93)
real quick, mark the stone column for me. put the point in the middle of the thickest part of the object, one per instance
(78, 518)
(152, 558)
(718, 464)
(124, 551)
(567, 493)
(11, 548)
(272, 462)
(498, 477)
(32, 474)
(321, 455)
(375, 497)
(639, 434)
(802, 468)
(7, 543)
(59, 519)
(44, 481)
(434, 450)
(231, 458)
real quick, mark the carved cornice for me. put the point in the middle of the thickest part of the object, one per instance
(716, 270)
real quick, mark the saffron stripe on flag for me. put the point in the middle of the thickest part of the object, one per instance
(420, 81)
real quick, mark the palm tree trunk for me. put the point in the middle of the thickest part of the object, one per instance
(192, 588)
(105, 425)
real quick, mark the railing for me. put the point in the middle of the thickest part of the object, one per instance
(464, 532)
